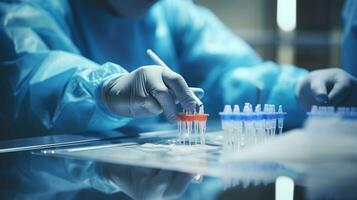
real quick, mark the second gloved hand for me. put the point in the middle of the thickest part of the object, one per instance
(147, 91)
(332, 87)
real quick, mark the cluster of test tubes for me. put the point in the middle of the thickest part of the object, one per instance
(249, 127)
(330, 111)
(192, 126)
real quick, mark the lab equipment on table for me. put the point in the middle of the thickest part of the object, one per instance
(326, 122)
(330, 112)
(192, 126)
(248, 127)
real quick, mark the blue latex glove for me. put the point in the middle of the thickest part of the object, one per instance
(333, 87)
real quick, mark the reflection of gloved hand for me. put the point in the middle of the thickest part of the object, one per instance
(146, 183)
(147, 91)
(333, 87)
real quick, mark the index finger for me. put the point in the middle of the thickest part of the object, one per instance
(178, 85)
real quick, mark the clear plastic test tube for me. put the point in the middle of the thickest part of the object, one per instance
(280, 119)
(273, 120)
(202, 119)
(247, 125)
(180, 128)
(189, 123)
(183, 129)
(266, 121)
(237, 128)
(195, 131)
(259, 123)
(226, 117)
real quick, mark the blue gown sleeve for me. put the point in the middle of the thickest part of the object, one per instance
(349, 39)
(226, 66)
(47, 87)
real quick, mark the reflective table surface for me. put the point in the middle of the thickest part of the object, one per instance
(151, 165)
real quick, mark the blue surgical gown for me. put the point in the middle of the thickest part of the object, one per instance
(55, 55)
(349, 39)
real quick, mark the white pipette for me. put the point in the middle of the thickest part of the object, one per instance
(158, 61)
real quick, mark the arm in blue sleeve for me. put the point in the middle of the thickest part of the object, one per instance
(46, 85)
(227, 67)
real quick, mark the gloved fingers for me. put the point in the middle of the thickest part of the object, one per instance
(339, 92)
(319, 90)
(166, 101)
(199, 92)
(178, 85)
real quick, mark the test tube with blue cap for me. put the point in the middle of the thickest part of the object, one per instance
(237, 128)
(258, 124)
(227, 124)
(250, 127)
(333, 112)
(280, 119)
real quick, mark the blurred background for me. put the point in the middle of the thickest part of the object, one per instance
(306, 33)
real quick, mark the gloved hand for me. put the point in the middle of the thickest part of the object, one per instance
(330, 87)
(147, 183)
(147, 91)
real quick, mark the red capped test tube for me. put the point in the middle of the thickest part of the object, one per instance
(192, 126)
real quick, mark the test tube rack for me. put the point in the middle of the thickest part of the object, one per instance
(330, 111)
(250, 127)
(192, 127)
